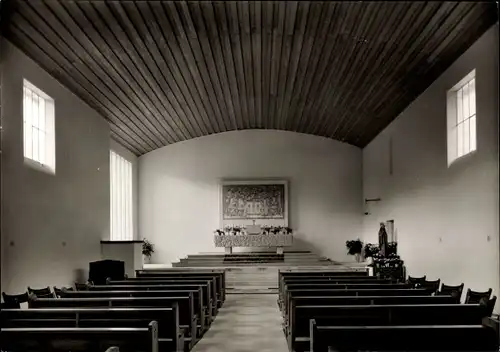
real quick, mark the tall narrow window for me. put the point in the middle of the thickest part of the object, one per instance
(38, 121)
(121, 198)
(461, 111)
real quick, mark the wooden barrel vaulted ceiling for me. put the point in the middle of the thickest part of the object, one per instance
(165, 71)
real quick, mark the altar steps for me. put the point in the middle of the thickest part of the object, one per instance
(302, 258)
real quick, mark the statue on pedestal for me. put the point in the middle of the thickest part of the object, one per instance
(382, 240)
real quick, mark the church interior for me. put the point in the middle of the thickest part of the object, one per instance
(249, 176)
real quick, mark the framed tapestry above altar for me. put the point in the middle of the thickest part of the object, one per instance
(262, 201)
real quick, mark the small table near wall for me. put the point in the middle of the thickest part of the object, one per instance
(259, 240)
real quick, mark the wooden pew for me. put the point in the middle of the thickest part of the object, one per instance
(368, 300)
(378, 315)
(185, 304)
(170, 337)
(207, 298)
(402, 338)
(325, 272)
(284, 274)
(329, 280)
(220, 276)
(197, 295)
(210, 282)
(80, 339)
(351, 292)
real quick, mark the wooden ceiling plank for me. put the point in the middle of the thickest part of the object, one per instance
(136, 46)
(310, 66)
(344, 106)
(225, 39)
(278, 35)
(296, 45)
(246, 48)
(256, 34)
(207, 11)
(387, 26)
(98, 32)
(207, 95)
(351, 79)
(180, 69)
(201, 45)
(336, 73)
(301, 62)
(83, 71)
(183, 104)
(58, 66)
(287, 42)
(146, 102)
(458, 41)
(338, 39)
(84, 51)
(209, 79)
(234, 30)
(389, 68)
(267, 33)
(176, 114)
(445, 24)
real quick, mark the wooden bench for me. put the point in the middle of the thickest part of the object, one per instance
(220, 276)
(212, 287)
(199, 308)
(207, 297)
(217, 290)
(378, 315)
(187, 316)
(368, 300)
(170, 337)
(329, 280)
(80, 339)
(284, 274)
(351, 292)
(402, 338)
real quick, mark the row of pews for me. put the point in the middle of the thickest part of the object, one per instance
(351, 311)
(158, 310)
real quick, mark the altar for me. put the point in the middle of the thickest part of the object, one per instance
(228, 241)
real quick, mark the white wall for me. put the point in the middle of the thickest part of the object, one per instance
(179, 200)
(51, 224)
(446, 218)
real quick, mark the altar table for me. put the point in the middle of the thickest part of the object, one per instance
(263, 240)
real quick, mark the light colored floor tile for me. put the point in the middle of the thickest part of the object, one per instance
(246, 323)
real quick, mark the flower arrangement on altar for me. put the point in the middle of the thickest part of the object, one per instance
(390, 260)
(370, 250)
(266, 230)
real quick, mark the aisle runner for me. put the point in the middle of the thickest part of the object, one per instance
(246, 323)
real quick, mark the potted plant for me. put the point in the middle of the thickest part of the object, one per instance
(354, 247)
(147, 250)
(370, 250)
(266, 230)
(219, 232)
(286, 230)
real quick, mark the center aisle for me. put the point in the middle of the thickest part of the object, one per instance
(246, 323)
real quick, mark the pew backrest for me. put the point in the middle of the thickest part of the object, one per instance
(67, 339)
(402, 338)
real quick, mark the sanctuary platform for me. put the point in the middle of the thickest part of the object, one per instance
(257, 272)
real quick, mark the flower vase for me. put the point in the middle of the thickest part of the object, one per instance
(146, 259)
(357, 256)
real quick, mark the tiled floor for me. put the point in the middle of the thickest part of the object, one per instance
(246, 323)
